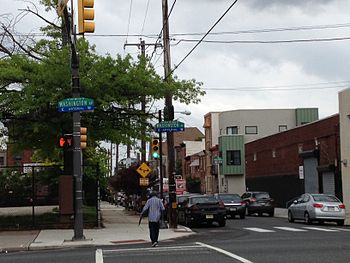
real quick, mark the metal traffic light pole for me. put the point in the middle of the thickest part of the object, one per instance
(77, 155)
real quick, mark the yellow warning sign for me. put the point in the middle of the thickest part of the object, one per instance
(144, 170)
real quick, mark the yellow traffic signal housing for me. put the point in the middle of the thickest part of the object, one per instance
(86, 15)
(155, 149)
(83, 137)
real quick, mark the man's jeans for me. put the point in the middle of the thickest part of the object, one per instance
(153, 231)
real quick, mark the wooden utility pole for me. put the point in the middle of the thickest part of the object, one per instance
(142, 45)
(169, 116)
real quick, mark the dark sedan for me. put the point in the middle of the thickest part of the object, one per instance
(259, 202)
(202, 209)
(233, 203)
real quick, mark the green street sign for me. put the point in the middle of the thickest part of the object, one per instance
(170, 126)
(75, 102)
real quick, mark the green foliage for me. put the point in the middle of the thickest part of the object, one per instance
(127, 180)
(32, 86)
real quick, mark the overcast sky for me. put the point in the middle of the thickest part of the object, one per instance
(256, 73)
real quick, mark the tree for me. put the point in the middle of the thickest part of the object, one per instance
(35, 76)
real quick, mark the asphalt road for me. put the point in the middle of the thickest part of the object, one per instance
(254, 239)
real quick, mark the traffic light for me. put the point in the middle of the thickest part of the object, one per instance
(86, 15)
(83, 137)
(65, 141)
(155, 148)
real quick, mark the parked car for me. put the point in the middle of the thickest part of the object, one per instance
(233, 203)
(317, 207)
(259, 202)
(198, 209)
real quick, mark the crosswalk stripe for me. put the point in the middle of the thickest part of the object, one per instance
(290, 229)
(261, 230)
(341, 229)
(321, 229)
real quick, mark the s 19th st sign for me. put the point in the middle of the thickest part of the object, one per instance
(170, 126)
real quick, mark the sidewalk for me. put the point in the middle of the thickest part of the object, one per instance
(120, 227)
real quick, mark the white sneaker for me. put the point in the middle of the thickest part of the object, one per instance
(155, 244)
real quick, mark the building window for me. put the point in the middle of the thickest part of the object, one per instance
(282, 128)
(232, 130)
(273, 153)
(2, 161)
(251, 129)
(254, 157)
(233, 157)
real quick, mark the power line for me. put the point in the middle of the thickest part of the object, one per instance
(307, 86)
(128, 28)
(266, 41)
(201, 40)
(144, 20)
(161, 31)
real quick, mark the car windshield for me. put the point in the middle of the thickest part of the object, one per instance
(203, 200)
(261, 195)
(180, 199)
(325, 198)
(230, 197)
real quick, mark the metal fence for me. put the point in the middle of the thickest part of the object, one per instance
(29, 198)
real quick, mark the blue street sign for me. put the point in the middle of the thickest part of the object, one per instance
(170, 126)
(75, 108)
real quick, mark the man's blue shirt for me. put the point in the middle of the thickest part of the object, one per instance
(154, 206)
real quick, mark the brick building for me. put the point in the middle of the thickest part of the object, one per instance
(302, 159)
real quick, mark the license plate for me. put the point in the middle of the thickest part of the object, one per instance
(331, 208)
(233, 209)
(209, 216)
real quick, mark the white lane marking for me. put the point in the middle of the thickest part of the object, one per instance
(229, 254)
(341, 229)
(99, 256)
(290, 229)
(261, 230)
(153, 249)
(321, 229)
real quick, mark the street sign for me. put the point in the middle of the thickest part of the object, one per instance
(144, 170)
(217, 160)
(144, 181)
(75, 108)
(170, 126)
(76, 104)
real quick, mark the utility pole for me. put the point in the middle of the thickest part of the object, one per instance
(77, 155)
(142, 45)
(169, 116)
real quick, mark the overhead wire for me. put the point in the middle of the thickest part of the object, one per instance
(128, 27)
(305, 86)
(144, 20)
(200, 41)
(161, 31)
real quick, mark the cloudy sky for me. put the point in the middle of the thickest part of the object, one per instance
(264, 53)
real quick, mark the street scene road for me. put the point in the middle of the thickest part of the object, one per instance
(254, 239)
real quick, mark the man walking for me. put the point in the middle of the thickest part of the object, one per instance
(154, 207)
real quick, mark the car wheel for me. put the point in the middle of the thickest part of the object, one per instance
(260, 214)
(209, 223)
(307, 219)
(242, 216)
(290, 217)
(271, 214)
(222, 223)
(340, 222)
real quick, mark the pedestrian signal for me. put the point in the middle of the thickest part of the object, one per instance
(65, 141)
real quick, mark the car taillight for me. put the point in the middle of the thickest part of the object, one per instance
(342, 206)
(221, 204)
(243, 203)
(316, 205)
(252, 199)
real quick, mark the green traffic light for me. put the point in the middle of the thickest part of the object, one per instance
(155, 155)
